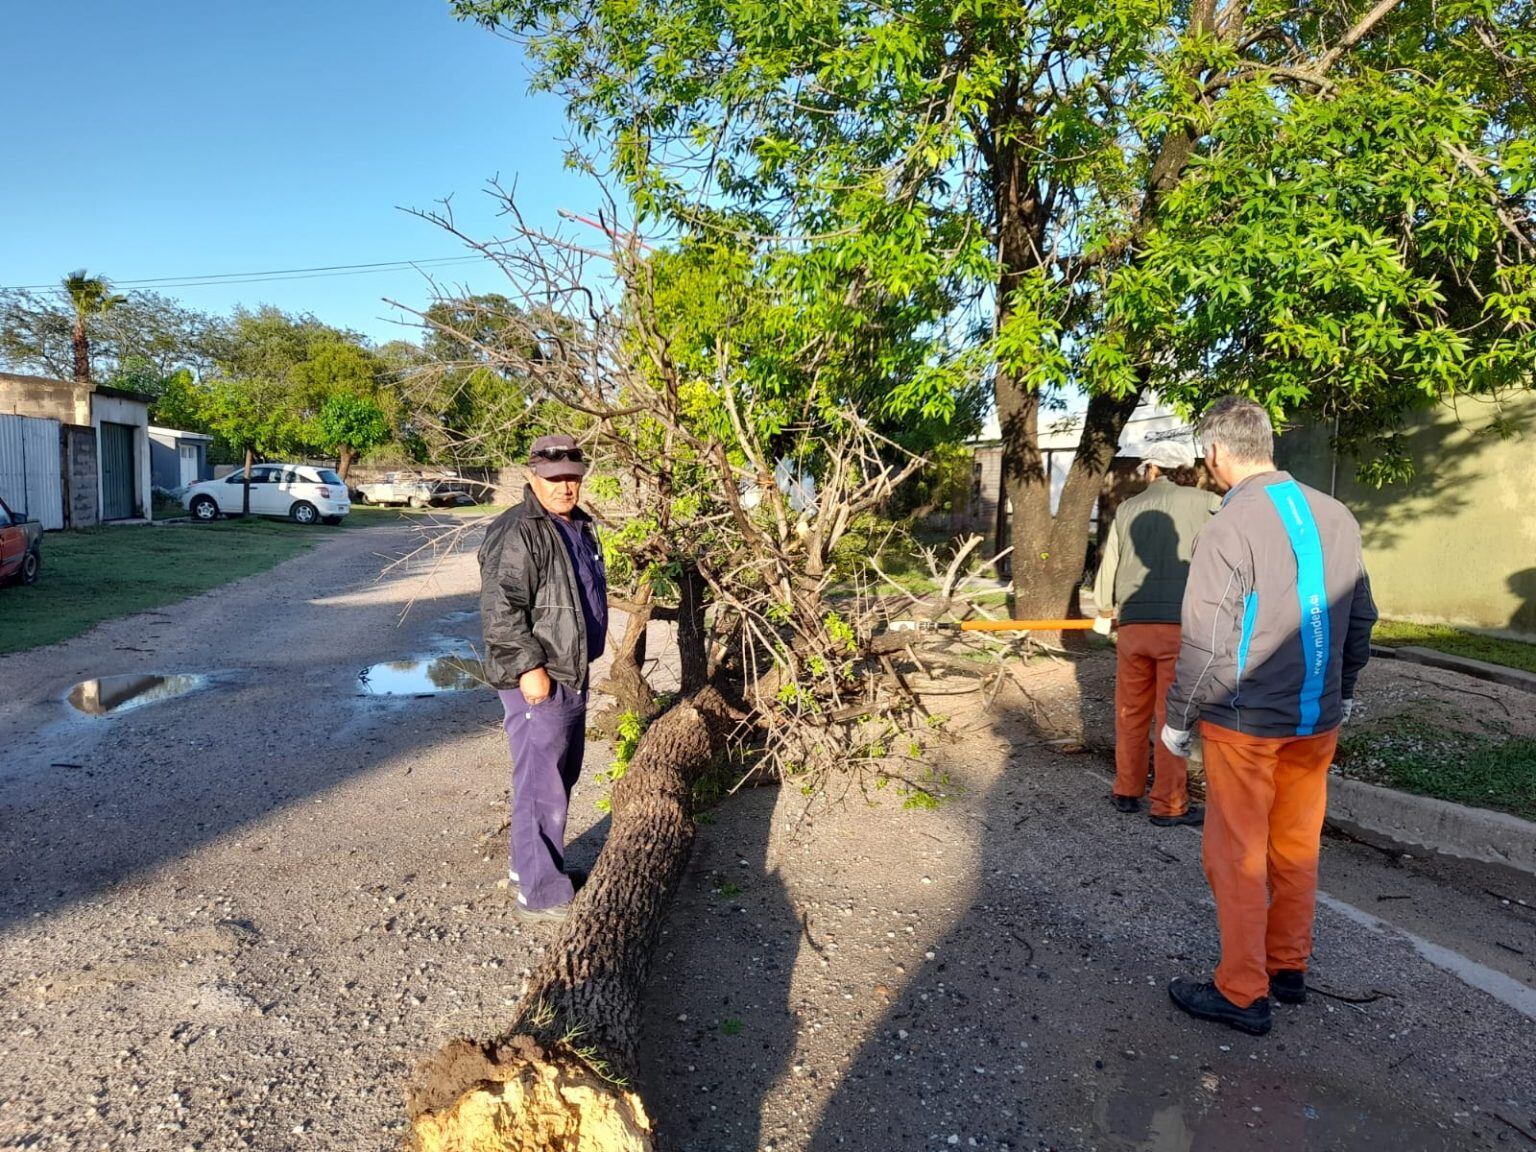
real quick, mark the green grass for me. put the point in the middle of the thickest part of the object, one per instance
(1455, 642)
(104, 573)
(1481, 771)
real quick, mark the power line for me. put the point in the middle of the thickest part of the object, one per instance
(272, 275)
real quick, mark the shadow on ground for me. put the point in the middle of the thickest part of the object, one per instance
(1043, 1020)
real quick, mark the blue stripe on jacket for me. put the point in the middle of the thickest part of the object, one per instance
(1250, 612)
(1312, 596)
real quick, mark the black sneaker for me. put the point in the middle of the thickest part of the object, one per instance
(1288, 986)
(554, 915)
(1204, 1002)
(1193, 818)
(1125, 803)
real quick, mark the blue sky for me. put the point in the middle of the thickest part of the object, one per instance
(190, 137)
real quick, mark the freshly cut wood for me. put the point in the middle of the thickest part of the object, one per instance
(557, 1078)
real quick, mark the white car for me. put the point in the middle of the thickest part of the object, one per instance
(301, 493)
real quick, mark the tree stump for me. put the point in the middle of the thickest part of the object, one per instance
(557, 1078)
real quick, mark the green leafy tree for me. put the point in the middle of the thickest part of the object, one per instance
(352, 425)
(1329, 208)
(181, 403)
(460, 400)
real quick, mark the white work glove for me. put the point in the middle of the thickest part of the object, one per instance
(1349, 710)
(1102, 624)
(1179, 743)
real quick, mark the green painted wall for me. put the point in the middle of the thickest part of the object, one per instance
(1457, 545)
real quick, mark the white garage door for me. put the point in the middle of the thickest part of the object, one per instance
(30, 479)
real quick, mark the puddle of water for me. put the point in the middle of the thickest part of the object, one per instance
(426, 677)
(112, 694)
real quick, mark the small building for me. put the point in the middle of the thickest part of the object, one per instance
(99, 465)
(178, 458)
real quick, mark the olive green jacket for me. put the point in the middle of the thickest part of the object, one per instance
(1146, 555)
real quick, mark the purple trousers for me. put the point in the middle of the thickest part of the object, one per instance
(548, 741)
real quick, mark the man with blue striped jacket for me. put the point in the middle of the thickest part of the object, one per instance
(1276, 626)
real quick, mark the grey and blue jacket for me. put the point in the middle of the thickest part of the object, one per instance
(1277, 615)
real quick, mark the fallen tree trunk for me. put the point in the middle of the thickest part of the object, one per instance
(558, 1077)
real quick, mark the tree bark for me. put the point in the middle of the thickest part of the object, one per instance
(692, 637)
(1049, 550)
(626, 681)
(343, 462)
(245, 502)
(557, 1077)
(81, 346)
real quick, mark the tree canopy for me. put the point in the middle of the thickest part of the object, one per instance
(136, 343)
(1326, 207)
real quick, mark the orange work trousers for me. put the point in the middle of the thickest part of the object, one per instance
(1265, 800)
(1144, 666)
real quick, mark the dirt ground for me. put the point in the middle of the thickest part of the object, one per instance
(236, 918)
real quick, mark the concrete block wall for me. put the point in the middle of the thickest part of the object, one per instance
(81, 487)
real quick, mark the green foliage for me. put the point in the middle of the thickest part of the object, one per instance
(1463, 768)
(463, 392)
(919, 800)
(884, 208)
(731, 1027)
(137, 343)
(944, 485)
(349, 421)
(627, 735)
(928, 793)
(283, 385)
(868, 535)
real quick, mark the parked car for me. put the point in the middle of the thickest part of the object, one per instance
(21, 547)
(297, 491)
(417, 490)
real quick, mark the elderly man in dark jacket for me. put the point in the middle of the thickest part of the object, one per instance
(544, 611)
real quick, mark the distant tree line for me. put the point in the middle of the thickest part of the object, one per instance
(275, 384)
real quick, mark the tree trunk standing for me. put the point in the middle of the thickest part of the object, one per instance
(343, 462)
(556, 1078)
(1043, 577)
(1049, 551)
(626, 680)
(250, 462)
(692, 636)
(81, 346)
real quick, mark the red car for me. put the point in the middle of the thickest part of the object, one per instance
(21, 547)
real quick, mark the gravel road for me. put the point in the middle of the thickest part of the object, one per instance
(234, 919)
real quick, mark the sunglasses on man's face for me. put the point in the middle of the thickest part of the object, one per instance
(560, 454)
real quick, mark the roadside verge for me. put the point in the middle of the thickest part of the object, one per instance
(1424, 822)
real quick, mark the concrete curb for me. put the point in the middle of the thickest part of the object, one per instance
(1481, 670)
(1471, 833)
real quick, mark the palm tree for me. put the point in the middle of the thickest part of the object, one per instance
(89, 296)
